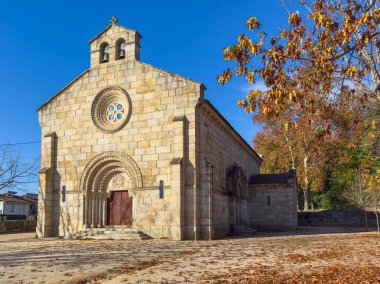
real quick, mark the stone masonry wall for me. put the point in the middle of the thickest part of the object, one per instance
(17, 226)
(337, 217)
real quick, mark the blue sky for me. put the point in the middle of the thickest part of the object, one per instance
(44, 45)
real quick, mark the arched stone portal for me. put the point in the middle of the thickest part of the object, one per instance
(107, 183)
(238, 191)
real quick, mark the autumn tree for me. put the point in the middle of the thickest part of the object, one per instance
(297, 139)
(364, 195)
(295, 145)
(370, 146)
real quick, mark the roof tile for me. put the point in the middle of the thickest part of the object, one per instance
(268, 179)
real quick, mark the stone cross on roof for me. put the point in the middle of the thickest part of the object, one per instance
(114, 20)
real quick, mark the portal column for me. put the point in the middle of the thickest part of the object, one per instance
(85, 209)
(100, 210)
(96, 209)
(104, 209)
(92, 211)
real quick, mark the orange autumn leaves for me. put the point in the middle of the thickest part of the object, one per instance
(334, 41)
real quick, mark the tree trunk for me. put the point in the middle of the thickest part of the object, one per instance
(366, 220)
(306, 199)
(290, 151)
(306, 190)
(377, 222)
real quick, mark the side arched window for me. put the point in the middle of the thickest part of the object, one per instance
(120, 49)
(104, 52)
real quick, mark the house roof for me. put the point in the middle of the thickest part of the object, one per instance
(30, 200)
(13, 199)
(269, 179)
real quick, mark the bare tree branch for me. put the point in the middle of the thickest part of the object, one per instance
(13, 171)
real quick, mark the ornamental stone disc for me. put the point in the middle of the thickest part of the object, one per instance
(111, 109)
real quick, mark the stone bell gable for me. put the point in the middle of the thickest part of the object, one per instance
(122, 43)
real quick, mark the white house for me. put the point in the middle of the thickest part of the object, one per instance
(12, 205)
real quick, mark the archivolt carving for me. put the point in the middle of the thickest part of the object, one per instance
(101, 169)
(236, 179)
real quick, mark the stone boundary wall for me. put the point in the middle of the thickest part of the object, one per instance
(18, 226)
(337, 217)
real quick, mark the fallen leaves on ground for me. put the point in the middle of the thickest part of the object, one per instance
(264, 274)
(117, 271)
(331, 254)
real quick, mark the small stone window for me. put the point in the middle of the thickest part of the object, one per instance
(161, 189)
(268, 200)
(120, 49)
(63, 193)
(104, 52)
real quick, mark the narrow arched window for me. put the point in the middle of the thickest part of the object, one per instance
(120, 49)
(104, 52)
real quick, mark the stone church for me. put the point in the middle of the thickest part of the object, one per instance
(129, 145)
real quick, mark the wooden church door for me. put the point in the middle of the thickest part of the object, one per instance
(119, 209)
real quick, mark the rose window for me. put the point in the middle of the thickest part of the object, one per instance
(111, 109)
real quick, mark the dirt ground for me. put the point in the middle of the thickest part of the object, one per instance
(309, 255)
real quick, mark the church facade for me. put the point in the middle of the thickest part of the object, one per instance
(129, 144)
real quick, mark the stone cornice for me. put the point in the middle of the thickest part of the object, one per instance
(132, 190)
(135, 189)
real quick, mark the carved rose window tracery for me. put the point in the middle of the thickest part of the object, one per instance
(111, 109)
(115, 112)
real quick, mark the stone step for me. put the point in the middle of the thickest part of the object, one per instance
(116, 237)
(111, 229)
(111, 233)
(244, 230)
(121, 232)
